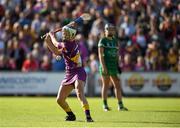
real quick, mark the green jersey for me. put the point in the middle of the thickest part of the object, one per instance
(110, 55)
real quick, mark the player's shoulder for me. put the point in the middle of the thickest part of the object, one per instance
(104, 38)
(102, 42)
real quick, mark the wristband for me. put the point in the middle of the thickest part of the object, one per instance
(79, 21)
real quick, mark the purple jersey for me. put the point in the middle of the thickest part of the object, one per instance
(73, 62)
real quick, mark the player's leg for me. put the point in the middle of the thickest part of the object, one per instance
(79, 88)
(118, 92)
(104, 90)
(63, 93)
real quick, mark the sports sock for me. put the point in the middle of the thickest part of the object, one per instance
(68, 111)
(120, 103)
(86, 110)
(105, 103)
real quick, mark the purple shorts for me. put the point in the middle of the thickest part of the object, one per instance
(74, 74)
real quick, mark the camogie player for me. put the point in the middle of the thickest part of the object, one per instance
(108, 50)
(75, 74)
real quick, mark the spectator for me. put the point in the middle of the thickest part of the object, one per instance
(2, 42)
(87, 67)
(36, 23)
(46, 64)
(2, 11)
(128, 26)
(23, 20)
(17, 10)
(133, 50)
(44, 28)
(82, 47)
(127, 65)
(152, 55)
(178, 65)
(123, 39)
(172, 59)
(36, 52)
(161, 61)
(91, 42)
(18, 54)
(30, 64)
(148, 60)
(168, 31)
(94, 64)
(97, 26)
(4, 63)
(109, 15)
(140, 65)
(9, 49)
(2, 47)
(140, 40)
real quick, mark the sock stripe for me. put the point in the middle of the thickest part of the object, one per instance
(85, 107)
(86, 110)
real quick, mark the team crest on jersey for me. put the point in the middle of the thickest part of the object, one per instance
(77, 58)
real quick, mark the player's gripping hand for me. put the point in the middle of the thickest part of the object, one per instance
(51, 34)
(47, 38)
(104, 70)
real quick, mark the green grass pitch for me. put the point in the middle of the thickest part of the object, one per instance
(44, 112)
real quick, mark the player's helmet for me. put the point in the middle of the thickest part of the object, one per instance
(71, 31)
(109, 26)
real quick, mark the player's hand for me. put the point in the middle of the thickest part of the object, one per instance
(47, 38)
(104, 70)
(51, 34)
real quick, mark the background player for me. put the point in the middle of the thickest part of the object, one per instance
(108, 50)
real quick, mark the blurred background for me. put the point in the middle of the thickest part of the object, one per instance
(148, 32)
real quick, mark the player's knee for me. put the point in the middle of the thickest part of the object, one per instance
(117, 86)
(105, 84)
(105, 87)
(57, 100)
(60, 100)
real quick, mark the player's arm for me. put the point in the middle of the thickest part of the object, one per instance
(101, 55)
(101, 59)
(80, 20)
(75, 23)
(72, 24)
(53, 44)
